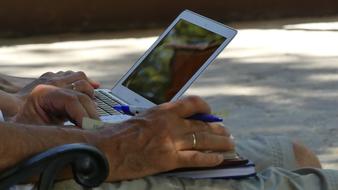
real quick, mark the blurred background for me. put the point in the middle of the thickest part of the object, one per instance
(21, 18)
(279, 76)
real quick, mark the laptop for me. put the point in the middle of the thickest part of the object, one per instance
(166, 70)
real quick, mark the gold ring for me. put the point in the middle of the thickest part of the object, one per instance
(73, 86)
(194, 140)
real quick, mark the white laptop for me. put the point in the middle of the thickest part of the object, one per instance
(170, 65)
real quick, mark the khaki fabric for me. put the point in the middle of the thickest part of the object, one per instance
(267, 151)
(270, 179)
(275, 163)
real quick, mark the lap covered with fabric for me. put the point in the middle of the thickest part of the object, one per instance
(276, 166)
(267, 151)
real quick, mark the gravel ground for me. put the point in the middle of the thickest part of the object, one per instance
(275, 78)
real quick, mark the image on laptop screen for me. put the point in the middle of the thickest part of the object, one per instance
(178, 56)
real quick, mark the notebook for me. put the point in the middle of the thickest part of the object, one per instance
(229, 172)
(166, 70)
(233, 166)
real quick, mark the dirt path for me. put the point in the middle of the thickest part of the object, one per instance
(274, 79)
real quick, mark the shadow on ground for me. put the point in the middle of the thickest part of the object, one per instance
(268, 82)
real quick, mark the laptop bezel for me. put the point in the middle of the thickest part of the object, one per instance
(132, 98)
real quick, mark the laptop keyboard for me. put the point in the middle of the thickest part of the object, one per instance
(105, 103)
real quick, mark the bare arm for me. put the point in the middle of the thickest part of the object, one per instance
(9, 103)
(14, 90)
(20, 141)
(13, 84)
(156, 141)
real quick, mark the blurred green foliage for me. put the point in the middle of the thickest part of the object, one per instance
(152, 79)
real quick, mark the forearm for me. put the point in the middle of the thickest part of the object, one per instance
(18, 141)
(9, 103)
(13, 84)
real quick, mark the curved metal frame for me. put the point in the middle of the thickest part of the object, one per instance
(90, 167)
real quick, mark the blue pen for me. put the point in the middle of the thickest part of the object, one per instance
(132, 110)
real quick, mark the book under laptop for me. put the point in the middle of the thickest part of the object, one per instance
(166, 70)
(220, 172)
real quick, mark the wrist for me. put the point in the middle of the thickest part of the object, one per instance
(10, 105)
(91, 137)
(18, 101)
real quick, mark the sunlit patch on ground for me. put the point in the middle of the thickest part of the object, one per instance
(270, 80)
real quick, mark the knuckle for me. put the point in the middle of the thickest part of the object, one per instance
(174, 105)
(194, 99)
(198, 101)
(201, 138)
(164, 106)
(69, 72)
(225, 130)
(85, 85)
(195, 157)
(204, 126)
(47, 74)
(82, 82)
(81, 74)
(220, 129)
(84, 97)
(199, 126)
(39, 88)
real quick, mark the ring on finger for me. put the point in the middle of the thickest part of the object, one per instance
(194, 141)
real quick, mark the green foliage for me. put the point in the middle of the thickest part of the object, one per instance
(154, 77)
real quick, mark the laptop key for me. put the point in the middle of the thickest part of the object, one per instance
(106, 103)
(102, 112)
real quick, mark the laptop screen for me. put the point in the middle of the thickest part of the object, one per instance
(173, 62)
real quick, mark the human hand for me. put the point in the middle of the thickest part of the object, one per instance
(77, 81)
(72, 80)
(48, 104)
(162, 140)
